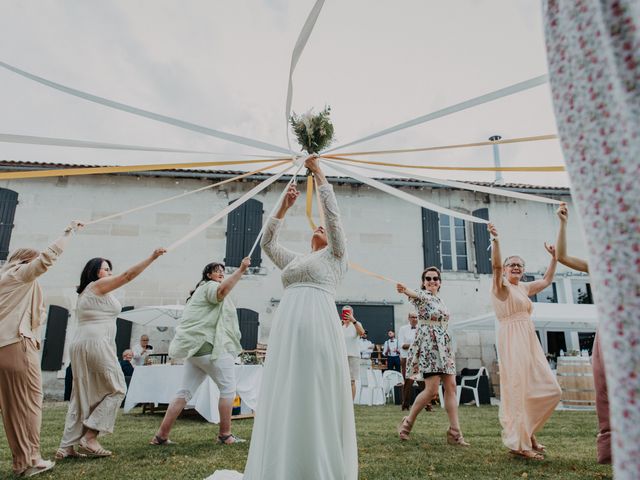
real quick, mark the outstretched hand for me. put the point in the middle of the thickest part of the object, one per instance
(312, 163)
(291, 196)
(551, 249)
(246, 263)
(563, 212)
(158, 252)
(401, 288)
(492, 229)
(74, 226)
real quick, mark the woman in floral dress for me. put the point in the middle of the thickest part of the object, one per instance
(431, 356)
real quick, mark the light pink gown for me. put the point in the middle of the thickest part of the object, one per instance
(529, 391)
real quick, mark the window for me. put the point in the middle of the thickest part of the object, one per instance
(581, 292)
(8, 203)
(453, 243)
(548, 295)
(243, 226)
(556, 341)
(586, 341)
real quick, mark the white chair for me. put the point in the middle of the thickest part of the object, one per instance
(390, 379)
(375, 385)
(471, 383)
(364, 395)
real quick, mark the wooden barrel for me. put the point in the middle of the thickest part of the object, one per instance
(575, 377)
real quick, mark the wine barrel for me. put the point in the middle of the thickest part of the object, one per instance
(575, 376)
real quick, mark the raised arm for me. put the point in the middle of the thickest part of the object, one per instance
(538, 285)
(402, 288)
(228, 283)
(279, 255)
(561, 243)
(498, 288)
(36, 267)
(107, 284)
(335, 233)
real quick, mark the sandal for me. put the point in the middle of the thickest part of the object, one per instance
(159, 441)
(528, 454)
(63, 453)
(92, 452)
(538, 447)
(404, 429)
(38, 469)
(454, 437)
(224, 439)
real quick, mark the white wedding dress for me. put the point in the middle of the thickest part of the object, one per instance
(305, 427)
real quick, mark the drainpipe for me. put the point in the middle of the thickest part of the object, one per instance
(496, 158)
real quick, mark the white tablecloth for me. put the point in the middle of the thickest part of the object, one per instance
(159, 384)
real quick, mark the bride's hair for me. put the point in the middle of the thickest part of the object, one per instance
(206, 271)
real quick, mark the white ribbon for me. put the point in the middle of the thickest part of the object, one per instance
(304, 35)
(228, 209)
(488, 97)
(67, 142)
(147, 114)
(465, 186)
(403, 195)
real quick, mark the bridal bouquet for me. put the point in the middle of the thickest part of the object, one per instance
(314, 132)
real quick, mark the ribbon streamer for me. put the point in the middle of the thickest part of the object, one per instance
(147, 114)
(69, 172)
(488, 97)
(175, 197)
(536, 138)
(466, 186)
(303, 37)
(228, 209)
(309, 198)
(66, 142)
(543, 168)
(403, 195)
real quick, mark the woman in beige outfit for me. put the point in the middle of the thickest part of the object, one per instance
(98, 382)
(528, 388)
(21, 315)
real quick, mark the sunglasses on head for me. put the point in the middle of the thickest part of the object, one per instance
(430, 279)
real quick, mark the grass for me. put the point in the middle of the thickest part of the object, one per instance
(569, 436)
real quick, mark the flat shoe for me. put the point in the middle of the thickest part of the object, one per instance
(222, 439)
(161, 442)
(90, 452)
(61, 454)
(528, 454)
(32, 471)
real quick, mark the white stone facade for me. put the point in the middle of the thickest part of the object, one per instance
(384, 235)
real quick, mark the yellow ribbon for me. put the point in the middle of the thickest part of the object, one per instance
(546, 168)
(67, 172)
(536, 138)
(310, 201)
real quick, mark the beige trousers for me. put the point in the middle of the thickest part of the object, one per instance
(21, 402)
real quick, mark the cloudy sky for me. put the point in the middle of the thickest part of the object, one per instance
(224, 65)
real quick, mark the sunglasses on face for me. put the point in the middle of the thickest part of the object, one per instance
(515, 265)
(430, 279)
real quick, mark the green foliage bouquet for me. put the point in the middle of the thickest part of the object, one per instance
(313, 131)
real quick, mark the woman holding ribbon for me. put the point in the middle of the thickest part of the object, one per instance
(305, 427)
(431, 356)
(529, 391)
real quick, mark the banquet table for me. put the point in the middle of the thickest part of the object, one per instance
(159, 383)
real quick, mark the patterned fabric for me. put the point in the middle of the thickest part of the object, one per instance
(431, 351)
(593, 49)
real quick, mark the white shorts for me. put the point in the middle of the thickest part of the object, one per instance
(354, 368)
(222, 372)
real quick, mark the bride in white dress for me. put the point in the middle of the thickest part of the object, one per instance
(304, 427)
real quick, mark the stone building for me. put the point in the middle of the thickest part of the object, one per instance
(385, 235)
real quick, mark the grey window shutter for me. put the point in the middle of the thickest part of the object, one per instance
(54, 338)
(8, 203)
(481, 242)
(123, 333)
(249, 323)
(243, 226)
(431, 238)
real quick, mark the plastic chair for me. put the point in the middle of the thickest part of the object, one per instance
(364, 395)
(390, 379)
(471, 383)
(375, 385)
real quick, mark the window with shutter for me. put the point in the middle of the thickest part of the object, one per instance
(243, 226)
(8, 203)
(481, 242)
(248, 320)
(453, 243)
(53, 343)
(430, 239)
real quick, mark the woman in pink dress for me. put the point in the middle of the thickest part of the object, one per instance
(529, 392)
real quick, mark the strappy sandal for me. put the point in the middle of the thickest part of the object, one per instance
(538, 447)
(38, 469)
(404, 429)
(159, 441)
(223, 439)
(93, 452)
(62, 454)
(528, 454)
(454, 437)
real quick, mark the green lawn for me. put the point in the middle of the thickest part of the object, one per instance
(569, 436)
